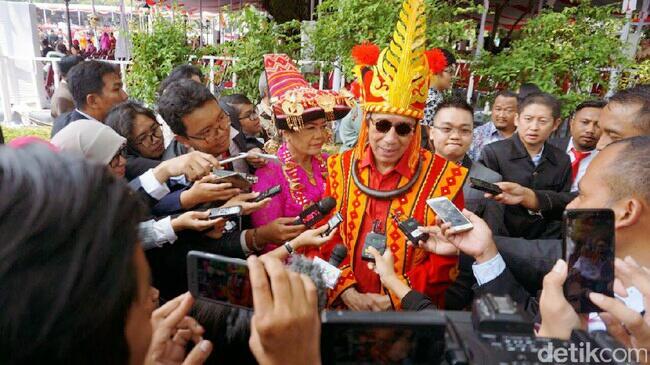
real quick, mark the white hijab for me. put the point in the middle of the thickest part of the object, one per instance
(91, 139)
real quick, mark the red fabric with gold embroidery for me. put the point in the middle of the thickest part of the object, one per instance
(425, 272)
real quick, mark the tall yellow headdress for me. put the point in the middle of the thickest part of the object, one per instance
(396, 80)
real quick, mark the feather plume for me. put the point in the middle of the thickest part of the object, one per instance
(436, 60)
(365, 54)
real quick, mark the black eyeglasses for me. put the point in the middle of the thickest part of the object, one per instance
(384, 126)
(147, 139)
(115, 161)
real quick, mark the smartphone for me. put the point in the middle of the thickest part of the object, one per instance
(225, 212)
(448, 212)
(238, 180)
(219, 279)
(485, 186)
(376, 240)
(275, 190)
(589, 252)
(333, 223)
(382, 337)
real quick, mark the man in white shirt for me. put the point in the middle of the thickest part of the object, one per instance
(581, 144)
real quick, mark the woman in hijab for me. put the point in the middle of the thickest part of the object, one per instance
(101, 144)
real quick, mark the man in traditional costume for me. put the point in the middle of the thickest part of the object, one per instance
(389, 173)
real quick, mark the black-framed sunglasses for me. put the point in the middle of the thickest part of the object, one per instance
(402, 129)
(116, 159)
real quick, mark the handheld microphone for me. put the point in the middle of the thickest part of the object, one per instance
(338, 254)
(303, 265)
(314, 213)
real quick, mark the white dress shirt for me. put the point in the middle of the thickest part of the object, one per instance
(583, 164)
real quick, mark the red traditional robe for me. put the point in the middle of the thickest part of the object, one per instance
(425, 272)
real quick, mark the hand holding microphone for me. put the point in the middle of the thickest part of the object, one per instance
(316, 212)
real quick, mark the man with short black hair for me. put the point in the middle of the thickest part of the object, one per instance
(451, 134)
(626, 114)
(526, 159)
(502, 125)
(62, 101)
(197, 119)
(584, 135)
(96, 87)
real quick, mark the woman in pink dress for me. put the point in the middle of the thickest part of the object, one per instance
(303, 115)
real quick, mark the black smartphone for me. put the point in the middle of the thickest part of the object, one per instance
(589, 252)
(219, 279)
(275, 190)
(225, 212)
(382, 337)
(485, 186)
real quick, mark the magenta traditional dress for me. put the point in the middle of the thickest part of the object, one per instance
(290, 202)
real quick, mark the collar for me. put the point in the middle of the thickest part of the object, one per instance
(467, 162)
(401, 168)
(518, 150)
(570, 146)
(86, 115)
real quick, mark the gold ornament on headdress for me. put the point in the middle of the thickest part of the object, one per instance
(400, 79)
(400, 75)
(293, 109)
(327, 102)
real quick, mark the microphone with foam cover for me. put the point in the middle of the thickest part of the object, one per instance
(338, 255)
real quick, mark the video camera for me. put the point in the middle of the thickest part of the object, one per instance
(497, 331)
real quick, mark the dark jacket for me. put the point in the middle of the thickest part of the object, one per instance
(475, 201)
(64, 120)
(551, 181)
(561, 143)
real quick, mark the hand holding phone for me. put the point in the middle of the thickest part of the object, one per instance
(448, 212)
(219, 279)
(273, 191)
(589, 252)
(484, 186)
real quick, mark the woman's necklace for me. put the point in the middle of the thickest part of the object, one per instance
(290, 171)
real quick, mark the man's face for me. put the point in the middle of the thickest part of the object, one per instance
(617, 122)
(535, 124)
(452, 133)
(250, 121)
(593, 192)
(207, 129)
(504, 112)
(111, 95)
(585, 129)
(388, 147)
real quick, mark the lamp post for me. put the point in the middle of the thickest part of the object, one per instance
(67, 18)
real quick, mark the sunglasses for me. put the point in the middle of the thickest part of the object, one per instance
(384, 126)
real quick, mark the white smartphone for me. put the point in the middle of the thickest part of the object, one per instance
(448, 212)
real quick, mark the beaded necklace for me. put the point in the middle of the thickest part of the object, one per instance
(290, 171)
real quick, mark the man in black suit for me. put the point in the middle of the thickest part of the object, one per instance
(96, 87)
(526, 159)
(585, 132)
(451, 136)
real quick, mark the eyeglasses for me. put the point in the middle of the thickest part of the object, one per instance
(147, 139)
(463, 132)
(252, 116)
(384, 126)
(115, 161)
(213, 133)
